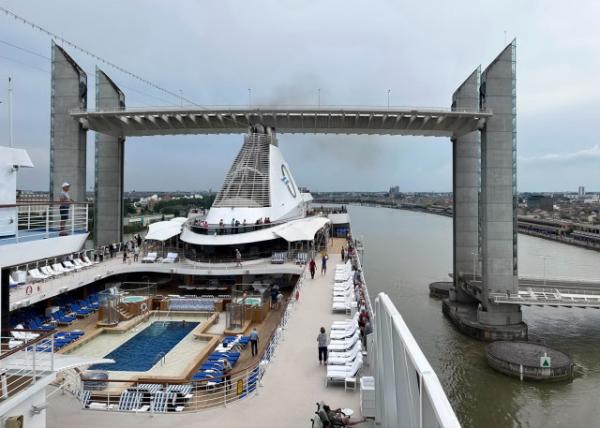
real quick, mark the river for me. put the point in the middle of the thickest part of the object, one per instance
(405, 251)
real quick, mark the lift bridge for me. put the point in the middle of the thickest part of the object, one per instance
(480, 123)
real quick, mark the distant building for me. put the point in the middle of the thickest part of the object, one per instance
(540, 202)
(394, 192)
(581, 192)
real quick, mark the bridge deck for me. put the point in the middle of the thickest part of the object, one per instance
(323, 120)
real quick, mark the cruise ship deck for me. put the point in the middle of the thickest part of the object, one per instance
(20, 296)
(294, 376)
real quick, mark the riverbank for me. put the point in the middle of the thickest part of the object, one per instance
(444, 213)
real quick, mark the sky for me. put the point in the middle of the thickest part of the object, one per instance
(284, 51)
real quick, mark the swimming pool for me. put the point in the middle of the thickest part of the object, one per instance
(133, 299)
(145, 349)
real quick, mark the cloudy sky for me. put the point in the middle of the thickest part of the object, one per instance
(284, 50)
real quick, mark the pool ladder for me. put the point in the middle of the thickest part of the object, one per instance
(162, 357)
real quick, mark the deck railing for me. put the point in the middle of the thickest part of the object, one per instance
(25, 356)
(408, 392)
(32, 221)
(174, 396)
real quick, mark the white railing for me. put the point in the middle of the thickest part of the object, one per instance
(408, 393)
(27, 356)
(178, 396)
(281, 108)
(25, 222)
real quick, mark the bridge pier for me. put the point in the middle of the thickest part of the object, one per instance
(109, 169)
(67, 136)
(497, 207)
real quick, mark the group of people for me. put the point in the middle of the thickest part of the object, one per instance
(236, 225)
(133, 246)
(312, 265)
(276, 297)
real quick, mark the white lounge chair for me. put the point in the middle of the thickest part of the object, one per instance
(58, 268)
(347, 293)
(47, 270)
(343, 277)
(69, 265)
(343, 297)
(88, 261)
(343, 285)
(342, 358)
(343, 345)
(37, 275)
(12, 282)
(341, 325)
(344, 334)
(19, 277)
(344, 306)
(171, 258)
(337, 353)
(79, 263)
(150, 258)
(339, 373)
(23, 335)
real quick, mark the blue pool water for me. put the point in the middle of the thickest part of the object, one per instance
(145, 349)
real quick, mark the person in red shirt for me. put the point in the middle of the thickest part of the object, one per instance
(312, 266)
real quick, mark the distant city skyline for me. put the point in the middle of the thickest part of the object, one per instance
(364, 55)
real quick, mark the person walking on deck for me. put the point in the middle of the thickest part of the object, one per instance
(312, 266)
(238, 258)
(322, 342)
(343, 254)
(324, 258)
(254, 341)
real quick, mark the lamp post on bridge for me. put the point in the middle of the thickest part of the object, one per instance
(388, 98)
(319, 97)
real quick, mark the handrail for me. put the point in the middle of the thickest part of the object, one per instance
(274, 108)
(26, 204)
(42, 335)
(204, 228)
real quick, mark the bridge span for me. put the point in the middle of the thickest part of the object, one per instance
(285, 119)
(548, 292)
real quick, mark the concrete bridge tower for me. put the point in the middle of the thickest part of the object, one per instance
(68, 146)
(109, 170)
(485, 257)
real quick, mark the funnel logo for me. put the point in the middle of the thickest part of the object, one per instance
(285, 177)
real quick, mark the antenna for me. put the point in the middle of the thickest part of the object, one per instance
(10, 115)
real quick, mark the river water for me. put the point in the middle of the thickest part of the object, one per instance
(405, 251)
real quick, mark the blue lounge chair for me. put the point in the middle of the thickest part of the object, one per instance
(79, 311)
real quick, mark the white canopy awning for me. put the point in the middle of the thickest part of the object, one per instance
(301, 230)
(163, 230)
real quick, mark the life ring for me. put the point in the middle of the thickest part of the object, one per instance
(29, 290)
(144, 307)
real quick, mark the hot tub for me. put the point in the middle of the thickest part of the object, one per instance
(135, 305)
(133, 299)
(250, 301)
